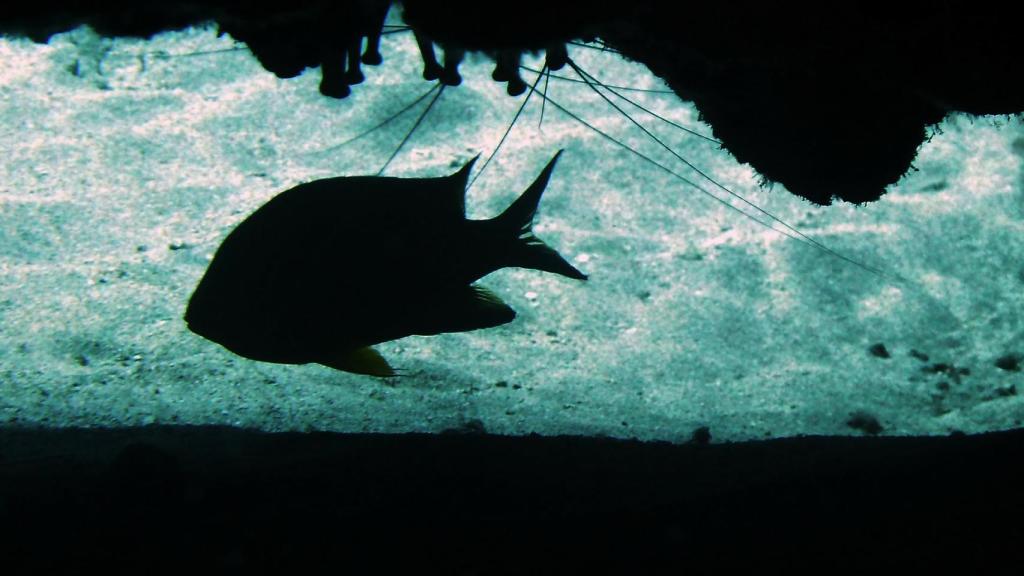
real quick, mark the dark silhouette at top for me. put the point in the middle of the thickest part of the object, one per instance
(325, 270)
(830, 100)
(309, 34)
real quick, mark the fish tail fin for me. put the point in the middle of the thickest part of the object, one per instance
(530, 251)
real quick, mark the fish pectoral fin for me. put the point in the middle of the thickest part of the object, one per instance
(493, 310)
(467, 308)
(360, 361)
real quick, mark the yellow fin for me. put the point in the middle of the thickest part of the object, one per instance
(361, 361)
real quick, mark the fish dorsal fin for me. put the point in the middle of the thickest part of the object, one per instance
(466, 308)
(457, 185)
(360, 361)
(519, 216)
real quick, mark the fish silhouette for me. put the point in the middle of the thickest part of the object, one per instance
(328, 268)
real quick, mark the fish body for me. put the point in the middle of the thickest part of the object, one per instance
(328, 268)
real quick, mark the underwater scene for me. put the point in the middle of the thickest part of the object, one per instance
(712, 301)
(532, 287)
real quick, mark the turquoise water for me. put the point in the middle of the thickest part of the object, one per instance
(128, 161)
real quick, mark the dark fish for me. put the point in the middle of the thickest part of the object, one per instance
(326, 269)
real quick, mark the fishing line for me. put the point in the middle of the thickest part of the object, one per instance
(387, 121)
(603, 46)
(413, 129)
(507, 130)
(696, 186)
(628, 88)
(543, 102)
(800, 236)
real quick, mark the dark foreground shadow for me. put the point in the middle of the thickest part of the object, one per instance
(171, 500)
